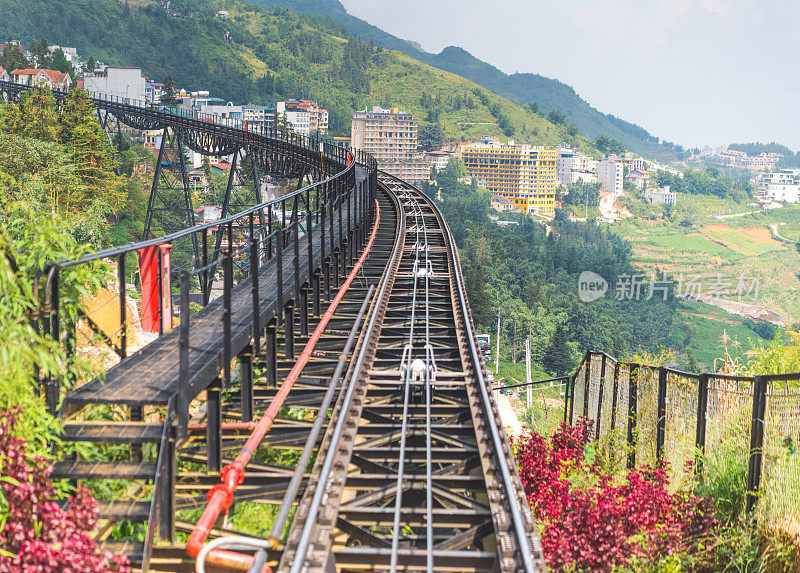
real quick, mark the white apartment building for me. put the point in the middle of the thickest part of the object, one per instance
(304, 116)
(787, 192)
(573, 167)
(610, 175)
(117, 81)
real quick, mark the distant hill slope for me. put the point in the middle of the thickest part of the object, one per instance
(260, 55)
(523, 88)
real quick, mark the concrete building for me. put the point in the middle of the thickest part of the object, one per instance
(118, 82)
(224, 111)
(662, 196)
(153, 91)
(438, 159)
(610, 175)
(259, 115)
(523, 174)
(304, 116)
(51, 78)
(573, 167)
(638, 179)
(4, 77)
(500, 203)
(71, 54)
(413, 170)
(388, 134)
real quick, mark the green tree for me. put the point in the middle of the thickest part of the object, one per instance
(557, 116)
(558, 357)
(169, 92)
(35, 116)
(431, 136)
(91, 64)
(13, 58)
(91, 154)
(61, 63)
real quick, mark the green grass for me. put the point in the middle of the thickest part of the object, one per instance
(707, 324)
(732, 247)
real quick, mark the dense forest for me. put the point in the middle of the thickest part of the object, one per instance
(532, 277)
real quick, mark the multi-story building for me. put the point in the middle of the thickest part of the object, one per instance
(412, 170)
(572, 167)
(303, 116)
(388, 134)
(610, 175)
(118, 82)
(661, 196)
(525, 175)
(261, 115)
(783, 185)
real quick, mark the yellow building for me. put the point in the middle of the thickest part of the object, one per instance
(525, 175)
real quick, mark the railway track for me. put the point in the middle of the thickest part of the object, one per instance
(415, 471)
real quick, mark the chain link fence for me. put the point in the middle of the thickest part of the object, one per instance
(705, 427)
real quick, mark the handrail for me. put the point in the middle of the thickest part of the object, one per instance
(534, 383)
(115, 251)
(158, 484)
(220, 497)
(589, 354)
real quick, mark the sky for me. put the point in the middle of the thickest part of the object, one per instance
(696, 72)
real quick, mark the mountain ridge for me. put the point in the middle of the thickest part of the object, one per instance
(523, 88)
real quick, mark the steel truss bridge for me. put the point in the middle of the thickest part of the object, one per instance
(321, 373)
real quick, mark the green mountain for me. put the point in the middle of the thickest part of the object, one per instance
(260, 55)
(523, 88)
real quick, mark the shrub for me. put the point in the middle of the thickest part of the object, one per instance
(592, 523)
(36, 534)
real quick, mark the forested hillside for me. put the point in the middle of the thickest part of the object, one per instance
(262, 55)
(524, 88)
(533, 277)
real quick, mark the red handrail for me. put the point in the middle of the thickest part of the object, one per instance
(220, 497)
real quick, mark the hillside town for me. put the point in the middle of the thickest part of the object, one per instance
(521, 178)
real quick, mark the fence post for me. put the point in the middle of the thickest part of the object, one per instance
(614, 396)
(632, 414)
(661, 420)
(600, 394)
(700, 428)
(567, 392)
(586, 377)
(756, 440)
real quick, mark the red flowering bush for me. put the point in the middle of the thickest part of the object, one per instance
(36, 534)
(592, 524)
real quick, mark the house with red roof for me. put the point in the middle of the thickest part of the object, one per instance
(4, 77)
(52, 78)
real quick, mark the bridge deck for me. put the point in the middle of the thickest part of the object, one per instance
(151, 375)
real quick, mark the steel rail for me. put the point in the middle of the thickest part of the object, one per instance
(470, 338)
(220, 497)
(508, 482)
(297, 477)
(303, 543)
(405, 371)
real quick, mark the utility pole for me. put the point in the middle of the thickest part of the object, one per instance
(514, 344)
(497, 362)
(529, 387)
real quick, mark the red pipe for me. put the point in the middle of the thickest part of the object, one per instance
(220, 497)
